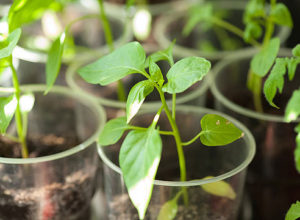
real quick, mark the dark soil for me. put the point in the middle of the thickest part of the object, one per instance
(55, 198)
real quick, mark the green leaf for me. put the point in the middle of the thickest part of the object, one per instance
(25, 11)
(168, 211)
(129, 3)
(293, 212)
(297, 150)
(252, 31)
(263, 61)
(219, 188)
(185, 73)
(9, 43)
(136, 97)
(292, 110)
(166, 54)
(296, 50)
(197, 14)
(54, 61)
(139, 158)
(292, 64)
(275, 81)
(112, 131)
(218, 131)
(8, 107)
(125, 60)
(281, 15)
(155, 73)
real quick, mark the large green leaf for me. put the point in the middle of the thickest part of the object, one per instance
(25, 11)
(9, 43)
(297, 150)
(281, 15)
(112, 131)
(218, 131)
(125, 60)
(275, 81)
(136, 97)
(292, 110)
(185, 73)
(139, 158)
(293, 212)
(166, 54)
(219, 188)
(54, 61)
(8, 107)
(263, 61)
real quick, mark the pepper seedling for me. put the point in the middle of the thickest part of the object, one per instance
(141, 149)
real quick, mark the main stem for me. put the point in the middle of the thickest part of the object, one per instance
(178, 141)
(18, 114)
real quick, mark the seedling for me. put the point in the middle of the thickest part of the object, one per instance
(141, 149)
(259, 19)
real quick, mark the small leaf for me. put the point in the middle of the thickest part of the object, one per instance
(168, 211)
(281, 15)
(136, 97)
(218, 131)
(8, 107)
(296, 51)
(275, 81)
(263, 61)
(54, 61)
(219, 188)
(112, 131)
(185, 73)
(292, 110)
(297, 150)
(197, 14)
(166, 54)
(139, 158)
(125, 60)
(252, 31)
(155, 73)
(9, 43)
(293, 212)
(292, 64)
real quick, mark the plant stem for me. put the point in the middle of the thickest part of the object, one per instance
(235, 30)
(193, 139)
(18, 114)
(176, 135)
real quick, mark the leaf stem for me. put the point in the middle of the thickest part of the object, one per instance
(235, 30)
(18, 114)
(193, 139)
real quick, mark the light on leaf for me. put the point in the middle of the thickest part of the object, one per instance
(142, 24)
(27, 102)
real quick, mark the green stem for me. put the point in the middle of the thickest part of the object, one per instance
(235, 30)
(106, 26)
(176, 134)
(193, 139)
(18, 114)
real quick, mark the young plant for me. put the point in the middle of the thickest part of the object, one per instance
(258, 19)
(20, 13)
(141, 150)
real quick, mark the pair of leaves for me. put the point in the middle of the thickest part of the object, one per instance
(275, 80)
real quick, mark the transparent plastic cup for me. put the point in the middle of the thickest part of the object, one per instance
(226, 163)
(60, 182)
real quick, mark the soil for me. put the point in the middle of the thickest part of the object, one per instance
(61, 198)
